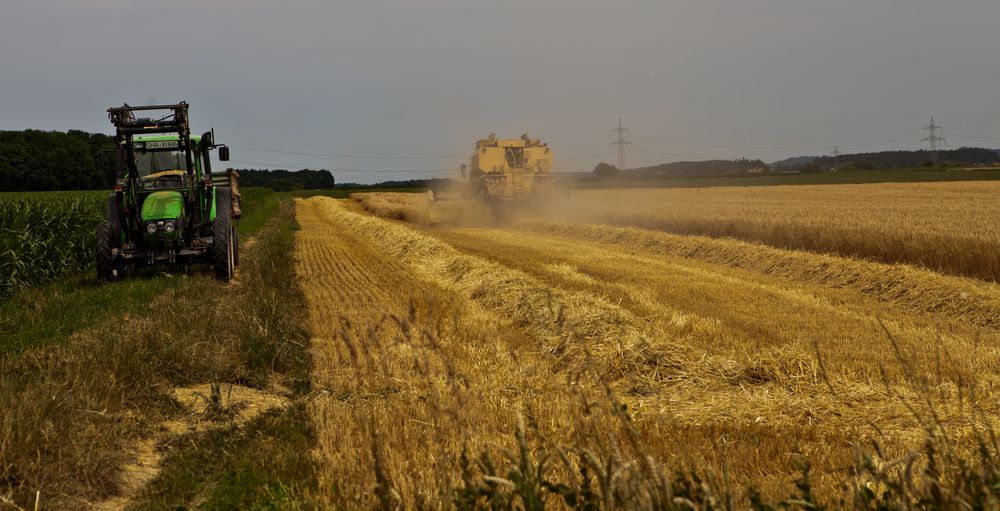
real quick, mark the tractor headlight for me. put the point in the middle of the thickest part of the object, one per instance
(169, 226)
(151, 227)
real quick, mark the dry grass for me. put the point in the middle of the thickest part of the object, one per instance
(428, 347)
(949, 227)
(70, 411)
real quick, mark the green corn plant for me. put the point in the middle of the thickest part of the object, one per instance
(44, 237)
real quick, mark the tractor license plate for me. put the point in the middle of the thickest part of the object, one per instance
(161, 144)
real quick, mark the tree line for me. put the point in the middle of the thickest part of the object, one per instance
(964, 156)
(685, 169)
(33, 160)
(287, 180)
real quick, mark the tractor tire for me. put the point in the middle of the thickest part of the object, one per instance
(236, 245)
(222, 248)
(106, 270)
(223, 236)
(113, 216)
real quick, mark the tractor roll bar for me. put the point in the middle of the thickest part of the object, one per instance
(127, 125)
(125, 121)
(179, 106)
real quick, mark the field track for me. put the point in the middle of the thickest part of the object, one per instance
(725, 353)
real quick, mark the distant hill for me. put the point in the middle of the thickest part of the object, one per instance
(907, 159)
(794, 161)
(701, 168)
(892, 159)
(884, 160)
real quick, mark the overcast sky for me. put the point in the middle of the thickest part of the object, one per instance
(411, 84)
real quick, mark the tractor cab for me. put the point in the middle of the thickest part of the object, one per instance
(159, 164)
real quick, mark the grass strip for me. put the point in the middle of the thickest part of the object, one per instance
(52, 313)
(265, 464)
(72, 408)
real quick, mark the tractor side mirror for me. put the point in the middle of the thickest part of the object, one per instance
(223, 153)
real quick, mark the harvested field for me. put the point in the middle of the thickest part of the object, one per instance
(601, 344)
(419, 208)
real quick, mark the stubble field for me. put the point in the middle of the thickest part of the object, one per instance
(641, 365)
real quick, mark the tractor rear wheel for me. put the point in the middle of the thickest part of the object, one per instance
(222, 248)
(236, 245)
(106, 270)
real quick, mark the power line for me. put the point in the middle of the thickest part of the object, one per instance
(777, 148)
(350, 156)
(621, 143)
(383, 171)
(583, 156)
(283, 166)
(675, 155)
(725, 146)
(953, 134)
(933, 140)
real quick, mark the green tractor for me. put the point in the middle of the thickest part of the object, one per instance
(167, 206)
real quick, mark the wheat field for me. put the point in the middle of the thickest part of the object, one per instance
(949, 227)
(634, 352)
(952, 227)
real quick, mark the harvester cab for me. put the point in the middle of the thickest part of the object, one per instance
(167, 206)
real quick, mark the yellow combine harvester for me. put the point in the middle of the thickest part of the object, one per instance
(518, 169)
(505, 175)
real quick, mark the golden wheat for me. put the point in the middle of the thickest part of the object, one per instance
(419, 208)
(432, 343)
(917, 289)
(951, 227)
(408, 373)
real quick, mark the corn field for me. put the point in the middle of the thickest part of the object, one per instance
(45, 236)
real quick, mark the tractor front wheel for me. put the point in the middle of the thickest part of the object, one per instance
(222, 248)
(106, 270)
